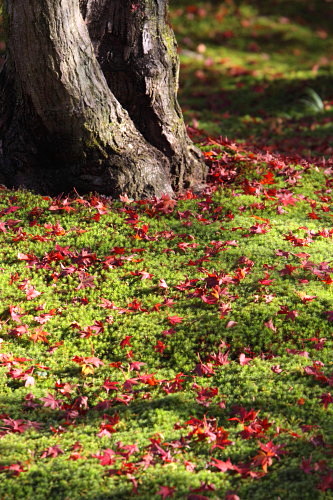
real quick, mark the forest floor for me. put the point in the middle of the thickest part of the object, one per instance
(182, 348)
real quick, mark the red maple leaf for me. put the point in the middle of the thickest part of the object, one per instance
(143, 274)
(267, 452)
(306, 465)
(15, 313)
(76, 456)
(326, 399)
(15, 426)
(266, 281)
(257, 428)
(286, 198)
(203, 369)
(166, 491)
(86, 281)
(39, 336)
(165, 204)
(269, 324)
(106, 430)
(126, 341)
(52, 452)
(160, 347)
(244, 414)
(45, 317)
(291, 314)
(13, 469)
(205, 394)
(221, 465)
(313, 215)
(326, 482)
(31, 292)
(327, 279)
(106, 457)
(92, 360)
(243, 360)
(230, 495)
(51, 402)
(62, 205)
(101, 208)
(307, 298)
(94, 329)
(127, 450)
(109, 385)
(136, 305)
(224, 309)
(220, 358)
(16, 373)
(107, 304)
(18, 331)
(204, 486)
(173, 320)
(287, 270)
(136, 365)
(259, 229)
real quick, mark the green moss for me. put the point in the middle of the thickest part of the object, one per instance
(127, 265)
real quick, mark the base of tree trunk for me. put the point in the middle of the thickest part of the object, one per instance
(89, 100)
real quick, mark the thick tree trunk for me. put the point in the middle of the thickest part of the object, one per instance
(88, 99)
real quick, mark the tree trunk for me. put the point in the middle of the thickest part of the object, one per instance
(88, 97)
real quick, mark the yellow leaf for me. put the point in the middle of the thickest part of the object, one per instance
(87, 370)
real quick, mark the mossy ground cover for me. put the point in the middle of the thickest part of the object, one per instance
(146, 344)
(183, 348)
(247, 64)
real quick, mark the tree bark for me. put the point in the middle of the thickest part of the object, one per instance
(88, 97)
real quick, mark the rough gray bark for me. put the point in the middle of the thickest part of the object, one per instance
(88, 97)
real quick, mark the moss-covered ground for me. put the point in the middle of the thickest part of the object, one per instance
(247, 67)
(182, 348)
